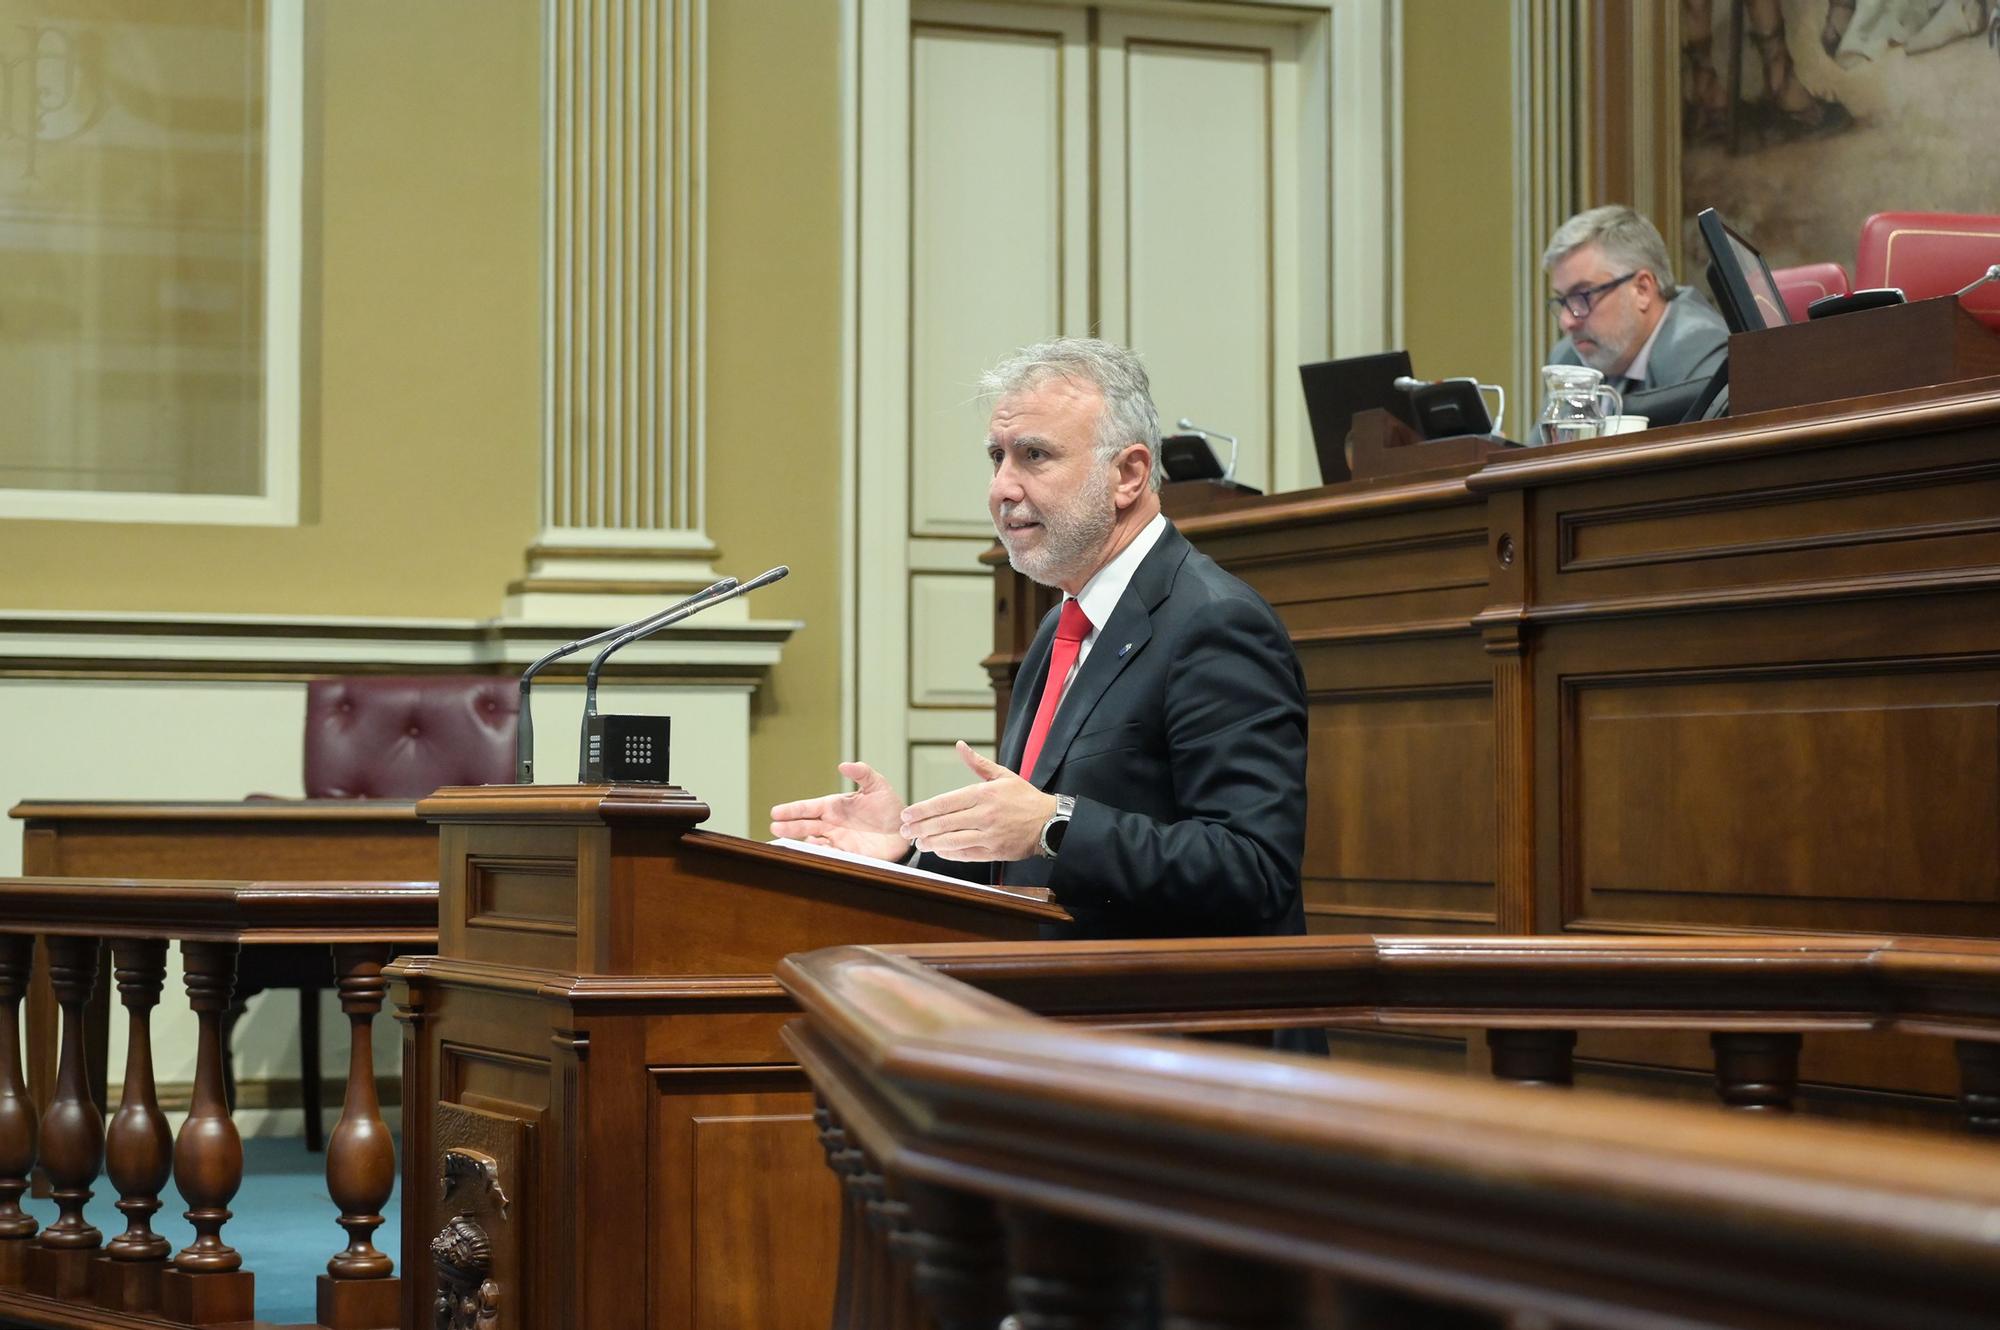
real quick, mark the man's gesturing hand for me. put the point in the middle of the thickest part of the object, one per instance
(1001, 817)
(862, 821)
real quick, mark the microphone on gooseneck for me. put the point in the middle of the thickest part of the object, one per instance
(642, 739)
(1228, 472)
(524, 735)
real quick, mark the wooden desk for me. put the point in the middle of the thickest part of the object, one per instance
(303, 840)
(1736, 676)
(599, 1034)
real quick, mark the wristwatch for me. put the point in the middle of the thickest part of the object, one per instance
(1053, 830)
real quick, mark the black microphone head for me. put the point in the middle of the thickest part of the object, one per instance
(778, 574)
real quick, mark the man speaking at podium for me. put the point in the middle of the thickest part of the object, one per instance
(1152, 771)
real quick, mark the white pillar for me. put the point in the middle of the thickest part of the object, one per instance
(623, 254)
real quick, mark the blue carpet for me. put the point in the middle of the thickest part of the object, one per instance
(283, 1225)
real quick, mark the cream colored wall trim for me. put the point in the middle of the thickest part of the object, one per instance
(55, 643)
(284, 240)
(624, 273)
(622, 138)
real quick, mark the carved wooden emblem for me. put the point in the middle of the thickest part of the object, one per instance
(460, 1164)
(462, 1253)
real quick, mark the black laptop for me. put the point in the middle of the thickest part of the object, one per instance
(1337, 389)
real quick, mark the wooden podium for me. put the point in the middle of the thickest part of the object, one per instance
(603, 1127)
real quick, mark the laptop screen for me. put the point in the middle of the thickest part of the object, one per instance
(1337, 389)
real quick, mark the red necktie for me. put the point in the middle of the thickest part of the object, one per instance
(1071, 629)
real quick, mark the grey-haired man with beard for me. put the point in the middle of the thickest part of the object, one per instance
(1619, 309)
(1152, 769)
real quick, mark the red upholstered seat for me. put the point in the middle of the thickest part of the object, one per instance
(402, 737)
(1932, 254)
(1806, 283)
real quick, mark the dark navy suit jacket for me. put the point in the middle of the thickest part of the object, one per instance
(1183, 738)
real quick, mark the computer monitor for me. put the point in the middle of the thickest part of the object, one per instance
(1745, 292)
(1337, 389)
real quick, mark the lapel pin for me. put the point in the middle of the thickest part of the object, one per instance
(1122, 650)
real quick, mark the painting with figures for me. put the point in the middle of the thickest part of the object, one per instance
(1839, 109)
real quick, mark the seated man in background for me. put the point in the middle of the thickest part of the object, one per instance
(1620, 311)
(1152, 770)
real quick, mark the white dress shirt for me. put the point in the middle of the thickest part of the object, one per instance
(1106, 587)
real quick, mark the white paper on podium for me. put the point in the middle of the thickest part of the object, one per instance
(828, 852)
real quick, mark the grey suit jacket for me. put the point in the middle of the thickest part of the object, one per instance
(1692, 343)
(1183, 738)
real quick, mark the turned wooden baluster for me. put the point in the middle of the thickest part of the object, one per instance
(1756, 1070)
(1532, 1057)
(72, 1128)
(357, 1290)
(139, 1147)
(361, 1156)
(17, 1111)
(960, 1254)
(208, 1153)
(845, 1161)
(1202, 1289)
(1979, 1085)
(1072, 1275)
(891, 1301)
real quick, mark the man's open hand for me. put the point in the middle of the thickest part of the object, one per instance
(863, 821)
(999, 817)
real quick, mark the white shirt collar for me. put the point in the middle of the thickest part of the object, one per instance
(1637, 369)
(1106, 587)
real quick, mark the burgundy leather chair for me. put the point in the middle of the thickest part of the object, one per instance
(402, 737)
(380, 737)
(1806, 283)
(1932, 254)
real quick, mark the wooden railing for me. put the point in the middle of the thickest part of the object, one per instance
(997, 1161)
(67, 1274)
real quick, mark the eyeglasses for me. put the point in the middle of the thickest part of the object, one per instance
(1580, 301)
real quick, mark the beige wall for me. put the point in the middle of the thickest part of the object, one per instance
(1458, 146)
(424, 309)
(774, 360)
(423, 378)
(423, 382)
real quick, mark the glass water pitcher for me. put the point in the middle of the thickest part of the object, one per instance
(1574, 403)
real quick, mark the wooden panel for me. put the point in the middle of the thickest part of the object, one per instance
(738, 922)
(1371, 572)
(1880, 786)
(525, 895)
(1934, 502)
(987, 243)
(397, 848)
(949, 613)
(1920, 503)
(1406, 832)
(516, 898)
(490, 1078)
(747, 1215)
